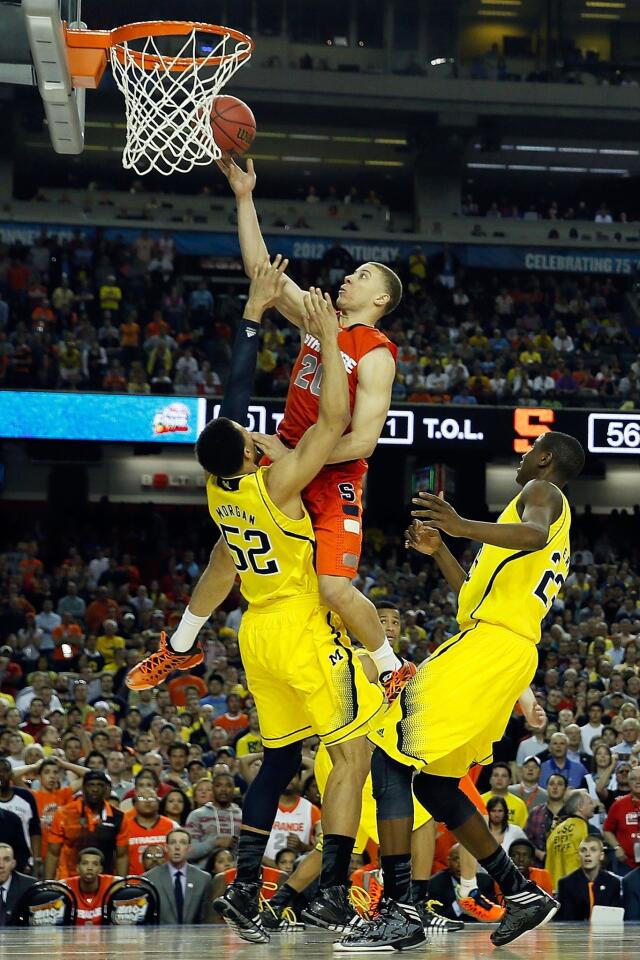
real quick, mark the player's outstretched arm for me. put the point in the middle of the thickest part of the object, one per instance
(267, 283)
(539, 505)
(425, 539)
(286, 478)
(253, 248)
(376, 373)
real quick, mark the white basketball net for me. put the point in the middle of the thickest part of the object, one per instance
(168, 112)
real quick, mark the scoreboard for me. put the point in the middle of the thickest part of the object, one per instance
(425, 428)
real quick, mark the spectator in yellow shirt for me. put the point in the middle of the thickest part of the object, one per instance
(108, 643)
(251, 741)
(500, 781)
(563, 843)
(110, 294)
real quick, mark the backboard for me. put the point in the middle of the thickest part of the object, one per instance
(33, 52)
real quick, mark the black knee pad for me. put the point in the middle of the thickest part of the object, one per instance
(391, 787)
(444, 799)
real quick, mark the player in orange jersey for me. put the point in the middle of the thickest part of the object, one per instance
(334, 497)
(90, 886)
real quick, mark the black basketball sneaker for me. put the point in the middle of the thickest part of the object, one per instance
(330, 908)
(433, 922)
(239, 907)
(398, 926)
(526, 910)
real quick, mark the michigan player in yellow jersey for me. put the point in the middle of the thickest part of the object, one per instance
(299, 664)
(459, 702)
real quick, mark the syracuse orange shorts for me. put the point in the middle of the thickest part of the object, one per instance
(334, 502)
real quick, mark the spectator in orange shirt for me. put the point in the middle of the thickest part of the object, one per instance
(43, 316)
(51, 794)
(88, 821)
(129, 339)
(115, 381)
(157, 326)
(234, 720)
(90, 886)
(523, 854)
(67, 639)
(145, 827)
(179, 685)
(101, 609)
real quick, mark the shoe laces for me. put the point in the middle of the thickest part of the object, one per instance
(398, 680)
(430, 904)
(287, 914)
(360, 900)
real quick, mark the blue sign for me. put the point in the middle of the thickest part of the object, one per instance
(31, 415)
(550, 259)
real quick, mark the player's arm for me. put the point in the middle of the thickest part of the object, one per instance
(267, 283)
(214, 586)
(286, 478)
(51, 860)
(540, 504)
(531, 709)
(376, 373)
(252, 246)
(425, 539)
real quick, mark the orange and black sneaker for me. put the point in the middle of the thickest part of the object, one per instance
(394, 682)
(153, 670)
(480, 907)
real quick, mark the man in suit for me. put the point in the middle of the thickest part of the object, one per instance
(12, 885)
(443, 887)
(185, 891)
(590, 885)
(631, 895)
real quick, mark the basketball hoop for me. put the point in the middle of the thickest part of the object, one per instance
(168, 97)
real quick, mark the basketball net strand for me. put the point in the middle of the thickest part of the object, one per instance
(168, 113)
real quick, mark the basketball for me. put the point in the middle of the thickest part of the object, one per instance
(234, 125)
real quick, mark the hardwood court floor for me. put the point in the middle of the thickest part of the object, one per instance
(555, 942)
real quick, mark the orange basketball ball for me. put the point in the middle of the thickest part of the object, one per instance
(234, 125)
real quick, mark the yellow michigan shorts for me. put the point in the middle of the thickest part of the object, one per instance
(303, 674)
(368, 829)
(459, 702)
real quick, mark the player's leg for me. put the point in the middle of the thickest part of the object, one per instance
(398, 924)
(267, 642)
(335, 507)
(341, 808)
(343, 704)
(239, 903)
(307, 871)
(527, 907)
(469, 896)
(423, 844)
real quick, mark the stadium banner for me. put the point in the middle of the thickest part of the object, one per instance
(205, 243)
(424, 428)
(549, 259)
(40, 415)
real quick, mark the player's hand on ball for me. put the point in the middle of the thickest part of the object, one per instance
(268, 282)
(438, 513)
(423, 538)
(271, 445)
(321, 319)
(241, 181)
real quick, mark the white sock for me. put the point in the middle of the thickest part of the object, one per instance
(385, 659)
(186, 632)
(466, 886)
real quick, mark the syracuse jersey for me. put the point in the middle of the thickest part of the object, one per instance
(515, 588)
(303, 398)
(273, 554)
